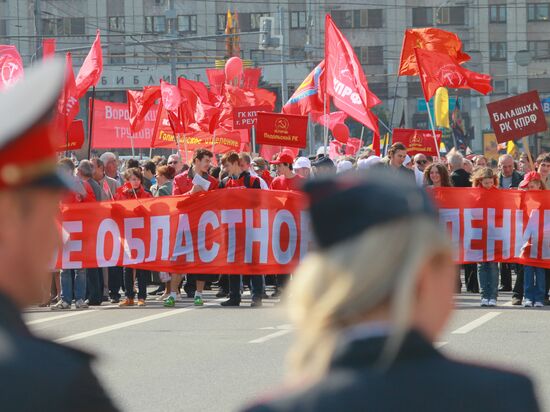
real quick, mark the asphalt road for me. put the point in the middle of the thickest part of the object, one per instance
(217, 359)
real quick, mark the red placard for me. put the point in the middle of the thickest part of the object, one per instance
(75, 137)
(247, 117)
(517, 116)
(281, 130)
(417, 141)
(111, 127)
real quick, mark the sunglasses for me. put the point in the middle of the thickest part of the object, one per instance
(421, 162)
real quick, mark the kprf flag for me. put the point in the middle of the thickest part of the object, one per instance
(139, 104)
(91, 69)
(345, 80)
(441, 106)
(441, 70)
(198, 104)
(11, 66)
(430, 39)
(308, 97)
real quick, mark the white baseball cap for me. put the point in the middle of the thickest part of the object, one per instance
(302, 163)
(344, 166)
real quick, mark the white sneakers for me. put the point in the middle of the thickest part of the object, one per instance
(539, 304)
(488, 302)
(492, 302)
(527, 303)
(80, 304)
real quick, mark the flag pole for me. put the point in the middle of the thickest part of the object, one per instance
(253, 135)
(213, 141)
(525, 141)
(433, 130)
(361, 140)
(132, 142)
(67, 143)
(90, 126)
(394, 100)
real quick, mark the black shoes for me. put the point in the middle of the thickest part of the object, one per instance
(505, 289)
(231, 302)
(222, 294)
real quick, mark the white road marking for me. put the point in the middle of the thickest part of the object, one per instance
(475, 323)
(122, 325)
(271, 336)
(65, 315)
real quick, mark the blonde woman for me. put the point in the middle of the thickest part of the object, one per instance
(368, 305)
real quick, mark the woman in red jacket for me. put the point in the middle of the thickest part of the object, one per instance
(133, 189)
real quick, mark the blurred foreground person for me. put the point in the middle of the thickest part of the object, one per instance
(30, 193)
(366, 315)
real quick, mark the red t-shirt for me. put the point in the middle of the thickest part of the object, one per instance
(183, 183)
(85, 193)
(283, 183)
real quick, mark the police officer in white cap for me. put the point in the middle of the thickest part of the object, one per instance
(35, 374)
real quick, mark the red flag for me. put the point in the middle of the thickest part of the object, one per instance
(216, 80)
(68, 104)
(308, 96)
(48, 48)
(11, 66)
(329, 120)
(376, 139)
(268, 152)
(251, 77)
(199, 104)
(441, 70)
(139, 104)
(91, 69)
(171, 101)
(352, 146)
(431, 39)
(345, 79)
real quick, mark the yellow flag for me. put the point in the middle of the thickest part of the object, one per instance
(441, 106)
(511, 148)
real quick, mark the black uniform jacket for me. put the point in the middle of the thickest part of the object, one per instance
(421, 379)
(39, 375)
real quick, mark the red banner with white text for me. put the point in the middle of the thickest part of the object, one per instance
(231, 231)
(497, 225)
(111, 128)
(236, 231)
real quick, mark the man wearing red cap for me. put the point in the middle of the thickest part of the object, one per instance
(286, 179)
(31, 190)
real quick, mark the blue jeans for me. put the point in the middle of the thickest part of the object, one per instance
(487, 273)
(67, 285)
(534, 283)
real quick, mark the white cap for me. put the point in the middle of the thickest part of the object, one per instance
(364, 164)
(302, 163)
(321, 150)
(344, 166)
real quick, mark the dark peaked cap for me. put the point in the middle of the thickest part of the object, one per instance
(345, 206)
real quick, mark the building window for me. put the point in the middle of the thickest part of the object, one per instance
(358, 19)
(343, 18)
(422, 16)
(255, 21)
(117, 58)
(257, 55)
(497, 13)
(155, 24)
(298, 20)
(184, 57)
(116, 23)
(538, 12)
(187, 23)
(64, 26)
(540, 49)
(451, 16)
(497, 51)
(221, 22)
(297, 53)
(370, 55)
(500, 86)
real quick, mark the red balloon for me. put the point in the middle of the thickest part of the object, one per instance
(233, 69)
(341, 132)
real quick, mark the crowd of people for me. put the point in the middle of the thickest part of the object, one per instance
(105, 178)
